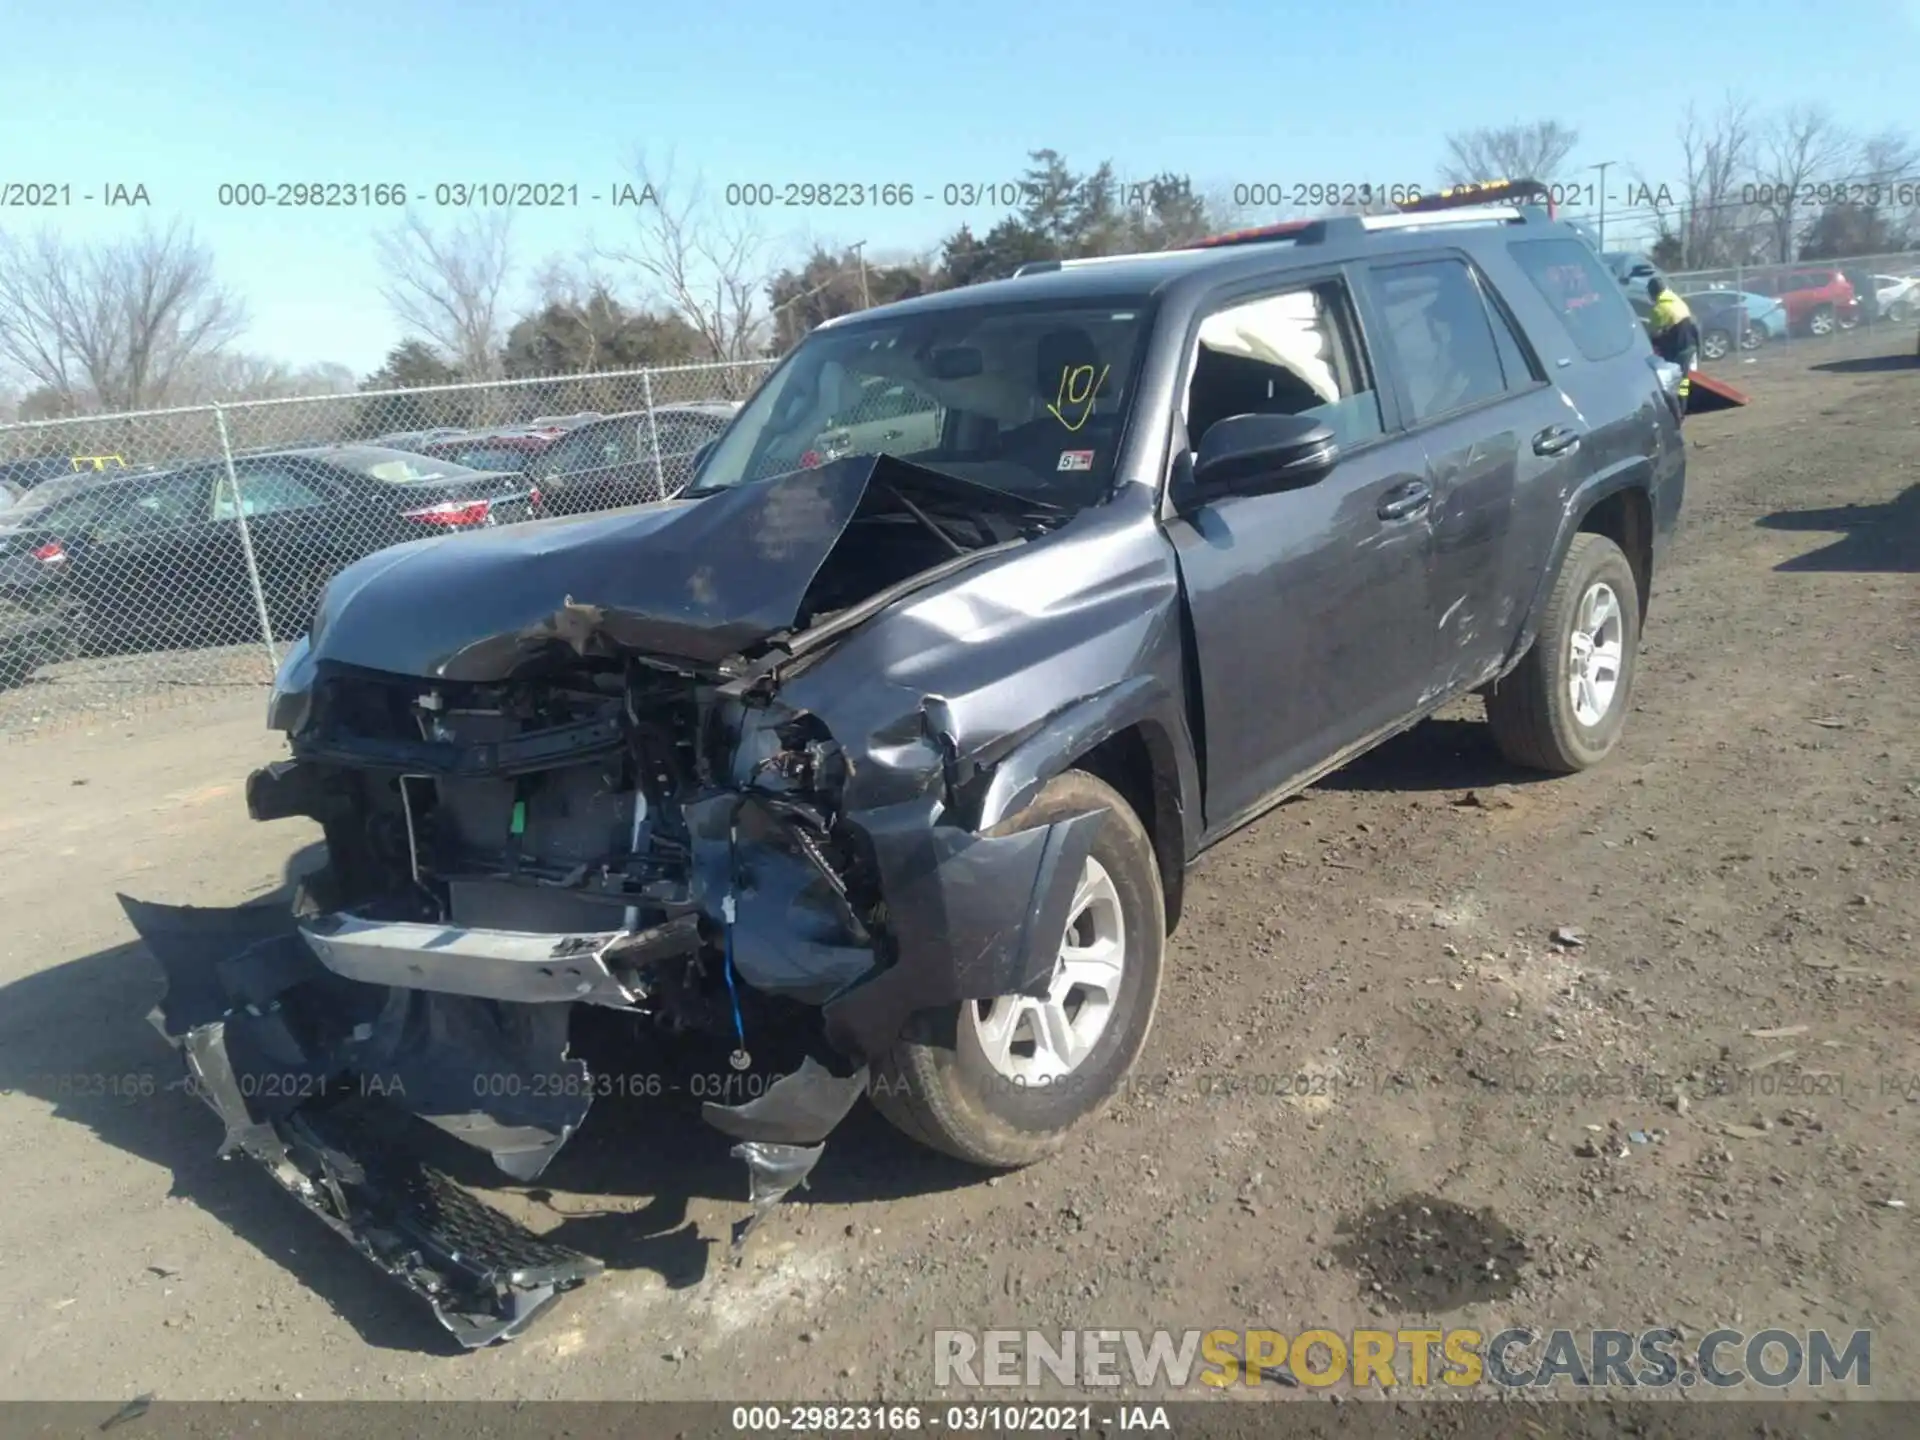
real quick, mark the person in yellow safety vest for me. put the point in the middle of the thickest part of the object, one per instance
(1676, 335)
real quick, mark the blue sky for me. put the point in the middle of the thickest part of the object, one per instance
(183, 97)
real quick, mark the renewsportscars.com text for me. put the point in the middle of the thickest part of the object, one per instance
(1511, 1359)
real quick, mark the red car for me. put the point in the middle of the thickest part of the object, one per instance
(505, 450)
(1819, 300)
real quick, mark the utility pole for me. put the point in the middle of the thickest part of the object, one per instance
(866, 298)
(1603, 167)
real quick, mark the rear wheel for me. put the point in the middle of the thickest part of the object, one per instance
(1716, 345)
(1005, 1082)
(1822, 321)
(1562, 708)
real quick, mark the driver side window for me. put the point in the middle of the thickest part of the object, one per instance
(1294, 352)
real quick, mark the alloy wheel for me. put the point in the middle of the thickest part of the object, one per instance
(1595, 651)
(1038, 1041)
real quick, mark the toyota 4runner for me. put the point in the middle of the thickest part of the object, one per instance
(875, 771)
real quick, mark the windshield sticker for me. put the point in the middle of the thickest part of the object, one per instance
(1079, 387)
(1076, 459)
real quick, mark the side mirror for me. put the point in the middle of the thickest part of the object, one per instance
(1262, 455)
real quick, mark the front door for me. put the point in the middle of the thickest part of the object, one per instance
(1309, 608)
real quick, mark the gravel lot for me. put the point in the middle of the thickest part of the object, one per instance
(1737, 892)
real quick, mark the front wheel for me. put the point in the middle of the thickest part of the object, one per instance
(1004, 1082)
(1562, 708)
(1753, 337)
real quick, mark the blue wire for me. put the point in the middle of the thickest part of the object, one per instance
(733, 843)
(739, 1027)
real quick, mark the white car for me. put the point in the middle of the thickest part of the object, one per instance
(1897, 297)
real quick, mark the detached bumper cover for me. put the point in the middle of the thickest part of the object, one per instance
(324, 1044)
(320, 1079)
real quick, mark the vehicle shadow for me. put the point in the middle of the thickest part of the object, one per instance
(1869, 365)
(1450, 754)
(76, 1036)
(1878, 538)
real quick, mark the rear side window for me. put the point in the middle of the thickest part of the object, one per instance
(1586, 298)
(1438, 329)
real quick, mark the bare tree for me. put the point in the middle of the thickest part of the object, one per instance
(707, 265)
(1800, 147)
(1534, 150)
(1889, 164)
(237, 375)
(113, 324)
(447, 287)
(1224, 208)
(1710, 223)
(573, 289)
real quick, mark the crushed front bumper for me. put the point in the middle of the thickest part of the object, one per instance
(325, 1082)
(332, 1047)
(327, 1079)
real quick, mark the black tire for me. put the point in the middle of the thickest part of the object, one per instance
(937, 1085)
(1822, 321)
(1753, 337)
(1530, 710)
(1716, 344)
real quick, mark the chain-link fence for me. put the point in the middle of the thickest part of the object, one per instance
(1749, 308)
(177, 552)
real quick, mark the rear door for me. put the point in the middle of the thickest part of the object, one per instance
(1490, 426)
(1602, 365)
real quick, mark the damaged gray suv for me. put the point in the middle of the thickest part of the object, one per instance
(872, 763)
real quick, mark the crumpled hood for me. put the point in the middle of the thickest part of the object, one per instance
(696, 580)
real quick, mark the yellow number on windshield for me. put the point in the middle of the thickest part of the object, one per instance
(1079, 387)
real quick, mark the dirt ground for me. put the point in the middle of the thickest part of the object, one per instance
(1743, 876)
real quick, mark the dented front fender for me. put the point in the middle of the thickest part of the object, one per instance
(971, 916)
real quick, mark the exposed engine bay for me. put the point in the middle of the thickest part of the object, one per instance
(532, 818)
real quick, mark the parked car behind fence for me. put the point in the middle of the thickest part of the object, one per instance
(177, 661)
(171, 558)
(627, 459)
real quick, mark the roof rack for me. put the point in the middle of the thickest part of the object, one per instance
(1047, 267)
(1326, 230)
(1465, 215)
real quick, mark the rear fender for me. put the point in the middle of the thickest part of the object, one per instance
(1630, 475)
